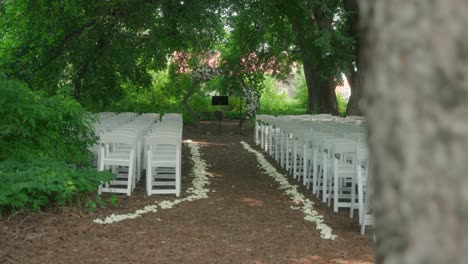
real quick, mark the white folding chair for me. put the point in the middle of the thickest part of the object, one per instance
(343, 171)
(163, 173)
(113, 159)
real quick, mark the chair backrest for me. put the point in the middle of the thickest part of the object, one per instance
(120, 138)
(163, 139)
(362, 156)
(345, 150)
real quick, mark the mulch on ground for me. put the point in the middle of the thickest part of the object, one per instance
(245, 220)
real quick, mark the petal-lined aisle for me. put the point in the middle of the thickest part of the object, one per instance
(247, 219)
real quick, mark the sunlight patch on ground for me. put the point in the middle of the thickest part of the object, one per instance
(206, 143)
(199, 190)
(302, 203)
(252, 202)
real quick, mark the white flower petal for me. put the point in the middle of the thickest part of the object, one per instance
(198, 190)
(305, 205)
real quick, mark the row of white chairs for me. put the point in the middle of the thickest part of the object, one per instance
(163, 145)
(327, 154)
(123, 143)
(121, 151)
(105, 122)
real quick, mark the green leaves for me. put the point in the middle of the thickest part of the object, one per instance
(35, 126)
(98, 202)
(35, 184)
(43, 148)
(90, 48)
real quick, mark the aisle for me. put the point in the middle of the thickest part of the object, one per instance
(246, 219)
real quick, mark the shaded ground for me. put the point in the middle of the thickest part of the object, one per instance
(246, 220)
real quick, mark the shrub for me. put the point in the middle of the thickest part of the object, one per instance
(32, 126)
(37, 183)
(43, 149)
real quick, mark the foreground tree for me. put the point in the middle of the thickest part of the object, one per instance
(416, 91)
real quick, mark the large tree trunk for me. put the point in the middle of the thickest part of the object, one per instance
(327, 102)
(353, 76)
(415, 60)
(311, 86)
(321, 93)
(326, 96)
(355, 84)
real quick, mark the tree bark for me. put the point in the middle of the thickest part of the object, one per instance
(415, 59)
(311, 86)
(355, 85)
(321, 93)
(353, 108)
(327, 103)
(326, 96)
(187, 105)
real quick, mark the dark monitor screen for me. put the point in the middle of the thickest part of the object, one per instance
(219, 100)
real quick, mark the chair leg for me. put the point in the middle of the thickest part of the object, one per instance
(335, 188)
(101, 168)
(315, 173)
(294, 157)
(177, 177)
(353, 196)
(325, 180)
(305, 174)
(149, 174)
(360, 195)
(131, 172)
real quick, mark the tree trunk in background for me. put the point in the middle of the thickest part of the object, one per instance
(352, 8)
(326, 96)
(415, 59)
(355, 85)
(321, 93)
(327, 103)
(187, 105)
(311, 86)
(77, 81)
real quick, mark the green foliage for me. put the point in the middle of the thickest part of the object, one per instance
(269, 35)
(98, 202)
(271, 101)
(92, 47)
(32, 126)
(301, 95)
(274, 103)
(113, 201)
(92, 206)
(257, 44)
(43, 147)
(37, 183)
(342, 104)
(165, 96)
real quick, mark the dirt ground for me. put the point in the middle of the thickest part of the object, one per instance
(246, 220)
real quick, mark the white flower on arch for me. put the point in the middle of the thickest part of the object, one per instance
(252, 102)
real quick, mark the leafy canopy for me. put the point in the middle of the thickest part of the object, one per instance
(97, 45)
